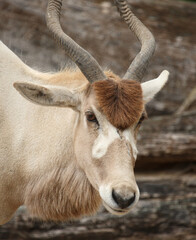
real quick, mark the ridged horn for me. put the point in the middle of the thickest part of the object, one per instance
(87, 64)
(139, 65)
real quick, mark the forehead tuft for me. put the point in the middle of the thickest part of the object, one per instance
(120, 101)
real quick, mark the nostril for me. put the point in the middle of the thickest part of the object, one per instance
(132, 199)
(123, 202)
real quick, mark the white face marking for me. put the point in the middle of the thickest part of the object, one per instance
(103, 141)
(129, 136)
(107, 134)
(85, 123)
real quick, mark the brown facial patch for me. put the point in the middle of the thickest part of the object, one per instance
(121, 101)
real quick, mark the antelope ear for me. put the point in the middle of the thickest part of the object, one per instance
(49, 95)
(152, 87)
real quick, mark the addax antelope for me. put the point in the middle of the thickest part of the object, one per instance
(68, 140)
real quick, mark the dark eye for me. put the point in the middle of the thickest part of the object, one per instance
(90, 116)
(141, 119)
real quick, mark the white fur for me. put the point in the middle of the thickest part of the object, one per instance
(105, 192)
(103, 141)
(35, 139)
(49, 95)
(152, 87)
(107, 136)
(129, 136)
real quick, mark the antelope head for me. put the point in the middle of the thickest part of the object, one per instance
(109, 111)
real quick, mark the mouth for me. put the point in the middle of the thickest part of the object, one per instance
(116, 211)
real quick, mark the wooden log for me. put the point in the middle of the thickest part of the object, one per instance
(166, 139)
(169, 147)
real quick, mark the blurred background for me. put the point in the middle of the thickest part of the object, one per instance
(165, 169)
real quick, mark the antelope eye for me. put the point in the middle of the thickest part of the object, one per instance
(141, 119)
(90, 116)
